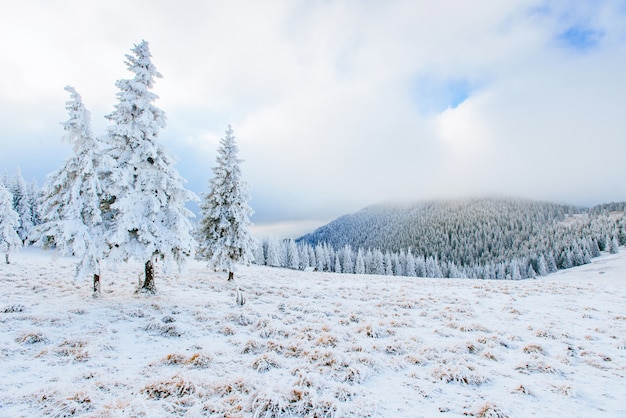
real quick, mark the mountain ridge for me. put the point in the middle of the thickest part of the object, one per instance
(478, 231)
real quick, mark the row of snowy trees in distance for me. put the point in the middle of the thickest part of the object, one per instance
(119, 196)
(476, 238)
(323, 257)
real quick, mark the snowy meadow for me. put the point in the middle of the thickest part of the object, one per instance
(310, 344)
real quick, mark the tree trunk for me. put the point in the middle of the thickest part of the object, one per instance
(96, 284)
(6, 258)
(148, 283)
(231, 276)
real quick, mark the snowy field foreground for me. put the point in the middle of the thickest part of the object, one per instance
(311, 344)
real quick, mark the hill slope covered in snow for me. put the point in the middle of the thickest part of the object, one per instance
(481, 232)
(309, 344)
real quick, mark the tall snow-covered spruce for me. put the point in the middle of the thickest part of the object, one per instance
(9, 222)
(224, 236)
(146, 197)
(71, 197)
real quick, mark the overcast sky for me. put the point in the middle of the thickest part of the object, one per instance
(337, 105)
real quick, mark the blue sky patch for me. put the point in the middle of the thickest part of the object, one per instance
(580, 38)
(433, 95)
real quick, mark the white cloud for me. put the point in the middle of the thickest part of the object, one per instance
(321, 96)
(464, 131)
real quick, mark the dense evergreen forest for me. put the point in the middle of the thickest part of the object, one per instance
(481, 238)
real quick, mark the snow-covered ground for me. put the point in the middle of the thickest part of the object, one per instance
(310, 344)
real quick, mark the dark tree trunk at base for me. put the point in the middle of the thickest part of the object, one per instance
(148, 284)
(231, 276)
(6, 258)
(96, 284)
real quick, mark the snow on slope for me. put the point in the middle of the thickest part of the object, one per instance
(309, 344)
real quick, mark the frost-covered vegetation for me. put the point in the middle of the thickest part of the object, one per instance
(223, 234)
(119, 197)
(311, 344)
(477, 238)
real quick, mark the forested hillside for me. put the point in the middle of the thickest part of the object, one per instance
(479, 234)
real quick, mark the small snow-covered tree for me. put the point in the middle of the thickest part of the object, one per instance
(337, 268)
(414, 267)
(22, 205)
(70, 202)
(34, 195)
(359, 265)
(4, 179)
(273, 253)
(146, 198)
(539, 265)
(320, 258)
(293, 258)
(347, 260)
(259, 253)
(9, 222)
(303, 254)
(388, 265)
(225, 240)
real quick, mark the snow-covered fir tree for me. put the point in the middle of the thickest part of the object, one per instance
(304, 257)
(347, 263)
(34, 196)
(293, 256)
(146, 198)
(70, 201)
(273, 253)
(4, 179)
(9, 222)
(22, 205)
(224, 235)
(359, 265)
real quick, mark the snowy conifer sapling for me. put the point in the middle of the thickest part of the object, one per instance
(22, 205)
(9, 222)
(224, 236)
(146, 197)
(70, 202)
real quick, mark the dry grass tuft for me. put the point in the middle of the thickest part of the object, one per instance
(176, 387)
(252, 347)
(13, 309)
(565, 390)
(75, 350)
(173, 359)
(196, 360)
(472, 328)
(542, 333)
(265, 363)
(372, 331)
(537, 367)
(77, 404)
(238, 385)
(489, 410)
(297, 402)
(533, 349)
(522, 390)
(327, 340)
(167, 330)
(199, 360)
(227, 330)
(31, 338)
(464, 375)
